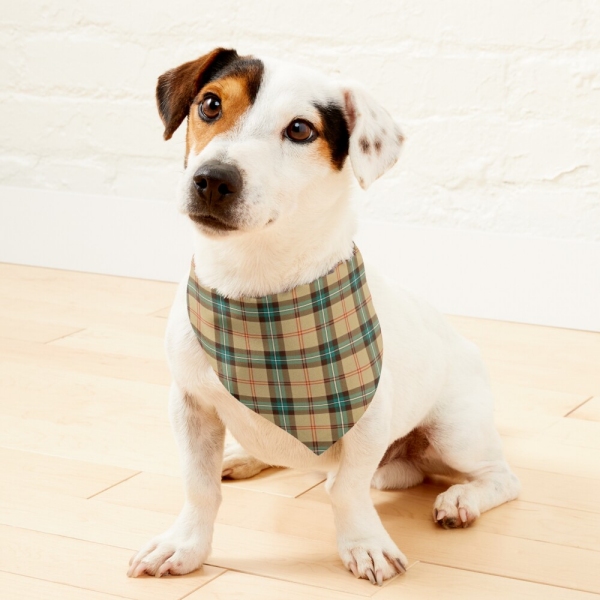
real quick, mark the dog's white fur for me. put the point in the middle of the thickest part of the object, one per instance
(295, 224)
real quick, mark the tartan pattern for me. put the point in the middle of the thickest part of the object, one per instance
(308, 360)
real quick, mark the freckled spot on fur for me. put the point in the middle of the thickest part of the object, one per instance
(361, 181)
(400, 138)
(365, 146)
(377, 145)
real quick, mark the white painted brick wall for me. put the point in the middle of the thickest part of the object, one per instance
(500, 99)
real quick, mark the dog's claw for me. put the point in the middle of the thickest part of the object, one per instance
(399, 566)
(396, 563)
(379, 577)
(354, 569)
(371, 576)
(136, 569)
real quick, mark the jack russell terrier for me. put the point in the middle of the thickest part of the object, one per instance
(278, 334)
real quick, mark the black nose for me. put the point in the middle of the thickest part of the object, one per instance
(218, 183)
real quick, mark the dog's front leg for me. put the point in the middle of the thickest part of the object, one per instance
(364, 545)
(184, 547)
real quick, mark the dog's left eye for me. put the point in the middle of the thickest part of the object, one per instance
(300, 130)
(210, 108)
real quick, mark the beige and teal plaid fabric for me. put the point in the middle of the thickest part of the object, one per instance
(308, 360)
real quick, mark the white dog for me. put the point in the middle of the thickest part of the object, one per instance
(266, 186)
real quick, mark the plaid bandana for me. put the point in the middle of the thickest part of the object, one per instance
(308, 360)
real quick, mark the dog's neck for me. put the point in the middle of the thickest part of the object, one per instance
(297, 250)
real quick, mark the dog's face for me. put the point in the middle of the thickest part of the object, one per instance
(266, 139)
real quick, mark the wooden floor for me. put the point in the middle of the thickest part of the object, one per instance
(89, 469)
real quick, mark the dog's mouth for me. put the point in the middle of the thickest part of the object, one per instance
(211, 222)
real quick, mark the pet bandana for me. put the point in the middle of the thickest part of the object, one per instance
(308, 360)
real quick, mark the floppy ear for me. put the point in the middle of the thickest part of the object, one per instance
(375, 138)
(177, 88)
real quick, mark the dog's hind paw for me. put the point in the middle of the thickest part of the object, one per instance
(238, 464)
(456, 507)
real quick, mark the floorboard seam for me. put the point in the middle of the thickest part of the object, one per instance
(312, 487)
(312, 585)
(205, 584)
(578, 406)
(76, 587)
(555, 585)
(62, 337)
(113, 485)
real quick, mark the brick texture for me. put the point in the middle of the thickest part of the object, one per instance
(500, 100)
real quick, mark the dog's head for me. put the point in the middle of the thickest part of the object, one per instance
(265, 139)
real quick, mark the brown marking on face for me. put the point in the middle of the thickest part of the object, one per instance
(365, 145)
(334, 138)
(177, 88)
(322, 149)
(377, 145)
(411, 447)
(236, 98)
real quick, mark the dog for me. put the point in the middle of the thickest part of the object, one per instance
(271, 150)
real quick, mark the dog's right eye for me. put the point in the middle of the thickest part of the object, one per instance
(210, 108)
(300, 131)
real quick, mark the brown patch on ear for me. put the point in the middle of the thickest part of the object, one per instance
(187, 144)
(377, 145)
(177, 88)
(365, 145)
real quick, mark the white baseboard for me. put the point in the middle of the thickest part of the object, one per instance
(531, 280)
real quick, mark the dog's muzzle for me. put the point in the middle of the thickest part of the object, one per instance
(216, 187)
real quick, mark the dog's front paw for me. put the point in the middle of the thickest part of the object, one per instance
(372, 559)
(172, 553)
(238, 464)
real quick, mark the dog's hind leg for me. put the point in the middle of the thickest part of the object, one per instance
(470, 444)
(399, 468)
(398, 474)
(238, 464)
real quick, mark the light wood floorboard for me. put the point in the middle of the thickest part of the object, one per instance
(89, 469)
(589, 411)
